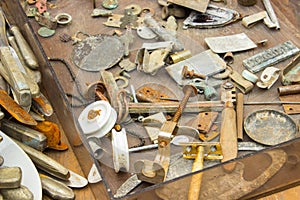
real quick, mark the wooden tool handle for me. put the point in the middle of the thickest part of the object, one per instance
(228, 135)
(240, 115)
(195, 184)
(24, 48)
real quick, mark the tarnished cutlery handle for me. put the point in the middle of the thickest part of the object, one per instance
(43, 162)
(24, 48)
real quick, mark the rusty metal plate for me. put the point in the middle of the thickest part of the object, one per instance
(98, 52)
(270, 127)
(153, 92)
(291, 109)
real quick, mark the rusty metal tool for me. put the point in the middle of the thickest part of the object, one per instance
(204, 121)
(24, 47)
(290, 93)
(289, 89)
(15, 110)
(228, 130)
(42, 105)
(200, 151)
(193, 107)
(53, 134)
(154, 92)
(156, 171)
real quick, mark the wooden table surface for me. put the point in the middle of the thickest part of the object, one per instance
(77, 157)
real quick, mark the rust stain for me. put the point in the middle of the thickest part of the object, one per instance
(46, 107)
(93, 114)
(53, 134)
(15, 109)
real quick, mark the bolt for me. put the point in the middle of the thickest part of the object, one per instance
(186, 73)
(189, 91)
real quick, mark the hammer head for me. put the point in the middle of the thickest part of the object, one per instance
(212, 150)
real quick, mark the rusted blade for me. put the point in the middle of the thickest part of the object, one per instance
(53, 134)
(15, 110)
(42, 104)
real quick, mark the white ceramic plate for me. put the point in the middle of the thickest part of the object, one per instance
(14, 156)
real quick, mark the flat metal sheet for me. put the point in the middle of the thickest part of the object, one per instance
(206, 63)
(230, 43)
(98, 52)
(198, 5)
(270, 127)
(270, 57)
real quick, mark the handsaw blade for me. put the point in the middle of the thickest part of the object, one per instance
(15, 110)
